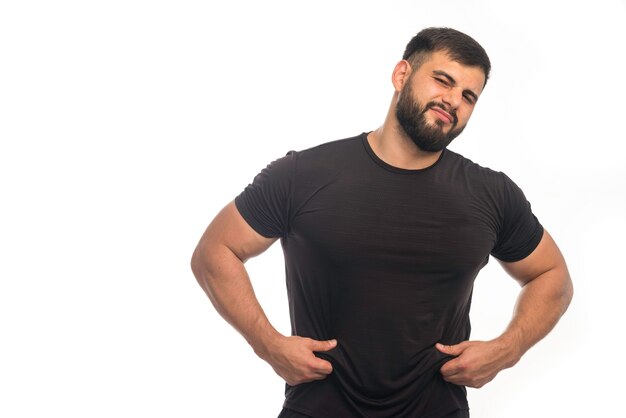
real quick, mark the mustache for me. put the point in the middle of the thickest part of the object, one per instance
(452, 112)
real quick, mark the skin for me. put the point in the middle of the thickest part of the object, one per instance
(218, 264)
(391, 143)
(546, 287)
(546, 293)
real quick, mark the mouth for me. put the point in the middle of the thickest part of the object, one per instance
(442, 114)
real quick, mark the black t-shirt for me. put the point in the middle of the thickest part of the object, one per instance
(384, 260)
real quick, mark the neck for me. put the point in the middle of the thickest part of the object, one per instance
(392, 145)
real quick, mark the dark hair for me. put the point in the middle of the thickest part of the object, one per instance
(459, 46)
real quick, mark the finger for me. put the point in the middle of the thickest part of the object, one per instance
(320, 376)
(322, 366)
(451, 368)
(457, 380)
(446, 369)
(316, 373)
(316, 345)
(453, 350)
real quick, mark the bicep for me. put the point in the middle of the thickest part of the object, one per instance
(545, 257)
(230, 230)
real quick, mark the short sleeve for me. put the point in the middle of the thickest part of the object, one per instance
(265, 203)
(520, 231)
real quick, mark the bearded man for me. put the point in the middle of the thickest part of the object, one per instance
(383, 235)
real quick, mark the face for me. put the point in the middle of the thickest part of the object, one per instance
(437, 100)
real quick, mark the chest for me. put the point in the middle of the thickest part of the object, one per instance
(403, 225)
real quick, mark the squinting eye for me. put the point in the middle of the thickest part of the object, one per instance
(469, 99)
(441, 81)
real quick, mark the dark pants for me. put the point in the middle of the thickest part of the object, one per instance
(288, 413)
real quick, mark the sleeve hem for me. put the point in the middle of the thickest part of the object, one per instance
(241, 206)
(524, 251)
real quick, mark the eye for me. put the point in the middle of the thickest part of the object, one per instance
(441, 81)
(469, 99)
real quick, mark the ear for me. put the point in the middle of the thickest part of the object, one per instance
(400, 75)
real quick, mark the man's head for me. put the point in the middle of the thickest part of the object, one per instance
(439, 79)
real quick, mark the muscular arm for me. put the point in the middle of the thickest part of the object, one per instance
(546, 293)
(218, 264)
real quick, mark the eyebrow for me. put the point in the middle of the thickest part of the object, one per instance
(452, 81)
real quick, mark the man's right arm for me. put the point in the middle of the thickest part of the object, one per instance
(218, 264)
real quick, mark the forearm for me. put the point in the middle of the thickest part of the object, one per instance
(223, 277)
(540, 305)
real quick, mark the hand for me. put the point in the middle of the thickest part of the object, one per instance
(476, 362)
(292, 358)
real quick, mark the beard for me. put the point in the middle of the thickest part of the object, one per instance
(412, 119)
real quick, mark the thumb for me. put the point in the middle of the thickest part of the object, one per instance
(323, 345)
(453, 350)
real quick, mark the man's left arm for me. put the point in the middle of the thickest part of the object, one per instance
(546, 293)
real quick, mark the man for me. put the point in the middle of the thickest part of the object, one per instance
(383, 236)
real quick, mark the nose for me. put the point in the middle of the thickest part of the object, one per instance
(453, 97)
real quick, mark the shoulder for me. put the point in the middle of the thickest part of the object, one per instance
(330, 148)
(474, 173)
(484, 183)
(328, 156)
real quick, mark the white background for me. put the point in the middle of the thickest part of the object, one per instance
(126, 125)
